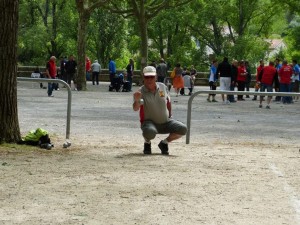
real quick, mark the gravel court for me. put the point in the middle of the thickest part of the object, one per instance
(241, 166)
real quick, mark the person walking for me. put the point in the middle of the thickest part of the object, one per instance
(213, 80)
(178, 81)
(87, 68)
(248, 77)
(266, 79)
(241, 79)
(112, 70)
(96, 69)
(258, 70)
(162, 70)
(51, 74)
(285, 73)
(224, 76)
(295, 78)
(129, 71)
(278, 66)
(234, 73)
(62, 68)
(71, 67)
(153, 102)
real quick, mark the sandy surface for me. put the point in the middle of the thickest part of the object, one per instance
(241, 166)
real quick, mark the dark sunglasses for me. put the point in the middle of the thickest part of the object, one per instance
(149, 77)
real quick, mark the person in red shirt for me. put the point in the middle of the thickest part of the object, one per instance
(241, 79)
(88, 68)
(267, 76)
(51, 74)
(258, 70)
(285, 74)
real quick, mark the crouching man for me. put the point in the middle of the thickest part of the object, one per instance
(153, 102)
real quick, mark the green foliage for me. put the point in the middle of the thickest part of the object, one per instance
(187, 34)
(107, 38)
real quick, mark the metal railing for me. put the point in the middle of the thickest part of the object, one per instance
(42, 80)
(189, 112)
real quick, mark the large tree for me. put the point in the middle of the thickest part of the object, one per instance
(144, 11)
(9, 123)
(46, 27)
(84, 8)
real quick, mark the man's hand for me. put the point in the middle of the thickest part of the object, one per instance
(137, 96)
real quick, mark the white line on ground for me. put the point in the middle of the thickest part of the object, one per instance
(294, 200)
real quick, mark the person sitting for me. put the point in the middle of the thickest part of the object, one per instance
(38, 74)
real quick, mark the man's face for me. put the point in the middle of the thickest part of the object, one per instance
(149, 81)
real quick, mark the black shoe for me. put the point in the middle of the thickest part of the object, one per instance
(147, 148)
(164, 148)
(254, 99)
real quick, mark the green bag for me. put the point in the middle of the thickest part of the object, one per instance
(35, 135)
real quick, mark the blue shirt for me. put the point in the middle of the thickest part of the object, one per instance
(278, 67)
(213, 74)
(112, 66)
(297, 71)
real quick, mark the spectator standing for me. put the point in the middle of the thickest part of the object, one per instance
(153, 63)
(88, 68)
(70, 67)
(154, 105)
(285, 73)
(213, 78)
(178, 82)
(62, 69)
(96, 69)
(241, 79)
(278, 66)
(51, 74)
(193, 73)
(234, 73)
(112, 70)
(188, 83)
(130, 70)
(295, 78)
(37, 74)
(258, 71)
(266, 79)
(248, 77)
(184, 72)
(224, 75)
(161, 71)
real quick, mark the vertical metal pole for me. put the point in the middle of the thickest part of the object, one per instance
(69, 96)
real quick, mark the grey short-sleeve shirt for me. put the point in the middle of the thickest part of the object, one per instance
(155, 104)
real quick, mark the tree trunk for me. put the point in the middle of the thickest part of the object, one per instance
(81, 47)
(9, 123)
(144, 42)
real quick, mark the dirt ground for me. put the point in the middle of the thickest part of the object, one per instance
(241, 166)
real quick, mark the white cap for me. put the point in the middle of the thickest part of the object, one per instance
(149, 71)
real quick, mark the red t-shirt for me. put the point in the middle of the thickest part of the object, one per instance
(268, 75)
(241, 69)
(285, 74)
(51, 67)
(88, 65)
(258, 70)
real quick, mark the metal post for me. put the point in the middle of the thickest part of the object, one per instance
(67, 144)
